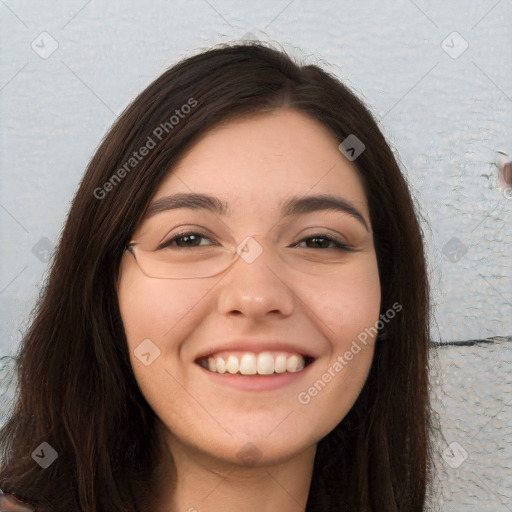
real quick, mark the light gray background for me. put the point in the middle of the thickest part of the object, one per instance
(446, 111)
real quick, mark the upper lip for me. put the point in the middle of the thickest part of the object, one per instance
(254, 345)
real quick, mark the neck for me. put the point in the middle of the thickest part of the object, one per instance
(189, 481)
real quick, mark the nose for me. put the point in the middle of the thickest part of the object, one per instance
(256, 283)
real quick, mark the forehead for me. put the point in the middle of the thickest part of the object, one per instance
(256, 163)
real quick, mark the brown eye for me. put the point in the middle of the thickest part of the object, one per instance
(184, 240)
(325, 240)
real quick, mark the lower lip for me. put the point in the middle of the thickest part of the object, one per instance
(257, 382)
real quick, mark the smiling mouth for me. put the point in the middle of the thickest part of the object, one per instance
(255, 364)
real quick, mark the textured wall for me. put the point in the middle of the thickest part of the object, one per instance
(472, 386)
(437, 76)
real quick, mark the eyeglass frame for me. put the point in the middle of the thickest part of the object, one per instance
(131, 245)
(236, 255)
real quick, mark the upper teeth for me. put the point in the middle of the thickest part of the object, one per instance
(249, 363)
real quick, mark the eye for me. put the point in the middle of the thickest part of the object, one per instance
(184, 240)
(323, 240)
(190, 239)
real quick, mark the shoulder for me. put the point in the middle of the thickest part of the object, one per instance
(8, 503)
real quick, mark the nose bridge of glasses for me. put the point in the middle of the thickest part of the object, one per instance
(252, 247)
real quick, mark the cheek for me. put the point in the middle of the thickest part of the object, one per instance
(347, 312)
(347, 305)
(154, 312)
(150, 308)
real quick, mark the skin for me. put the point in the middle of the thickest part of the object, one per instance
(253, 164)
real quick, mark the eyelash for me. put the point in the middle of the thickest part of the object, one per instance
(339, 245)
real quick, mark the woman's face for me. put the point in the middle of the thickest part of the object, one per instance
(262, 311)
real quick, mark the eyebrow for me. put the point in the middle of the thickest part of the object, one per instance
(298, 205)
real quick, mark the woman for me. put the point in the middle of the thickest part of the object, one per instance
(237, 313)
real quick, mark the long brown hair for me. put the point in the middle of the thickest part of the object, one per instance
(77, 391)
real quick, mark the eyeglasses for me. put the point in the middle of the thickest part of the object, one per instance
(171, 262)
